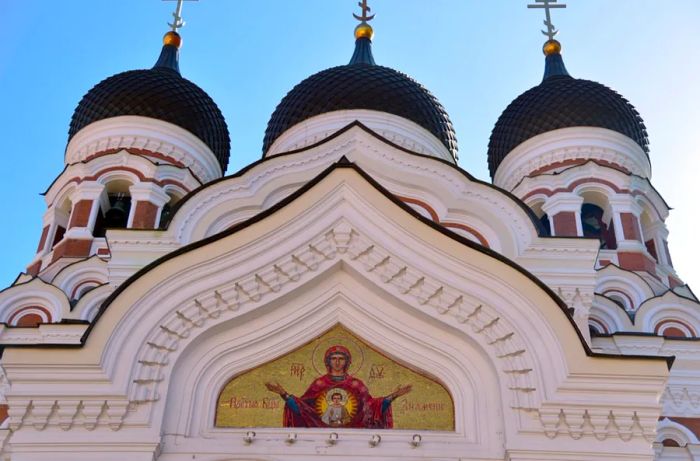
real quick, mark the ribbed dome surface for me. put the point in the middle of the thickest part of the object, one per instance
(561, 101)
(159, 93)
(361, 86)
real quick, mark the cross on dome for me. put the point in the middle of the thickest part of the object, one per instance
(178, 22)
(365, 9)
(551, 31)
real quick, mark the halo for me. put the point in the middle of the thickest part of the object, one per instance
(349, 401)
(356, 352)
(336, 390)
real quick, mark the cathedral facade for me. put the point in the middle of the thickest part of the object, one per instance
(354, 294)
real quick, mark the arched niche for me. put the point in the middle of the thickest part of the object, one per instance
(445, 357)
(336, 380)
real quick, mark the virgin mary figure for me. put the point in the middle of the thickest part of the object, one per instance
(363, 410)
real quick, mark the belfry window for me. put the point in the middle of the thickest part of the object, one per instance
(593, 226)
(115, 207)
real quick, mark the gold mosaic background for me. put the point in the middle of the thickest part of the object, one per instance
(245, 402)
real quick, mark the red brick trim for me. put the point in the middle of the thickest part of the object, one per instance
(434, 216)
(565, 224)
(573, 185)
(693, 424)
(471, 230)
(42, 239)
(34, 269)
(621, 293)
(549, 192)
(80, 216)
(144, 215)
(72, 248)
(636, 262)
(674, 282)
(667, 321)
(84, 282)
(630, 227)
(137, 173)
(578, 161)
(138, 152)
(17, 314)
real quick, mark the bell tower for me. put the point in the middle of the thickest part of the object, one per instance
(577, 153)
(138, 142)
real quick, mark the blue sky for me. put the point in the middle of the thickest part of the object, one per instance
(475, 56)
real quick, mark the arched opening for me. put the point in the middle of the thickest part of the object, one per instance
(62, 216)
(166, 213)
(115, 206)
(594, 226)
(543, 217)
(596, 219)
(621, 299)
(647, 235)
(596, 327)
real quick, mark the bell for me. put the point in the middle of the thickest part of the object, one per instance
(118, 215)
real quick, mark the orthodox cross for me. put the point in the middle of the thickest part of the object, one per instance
(365, 9)
(551, 32)
(178, 22)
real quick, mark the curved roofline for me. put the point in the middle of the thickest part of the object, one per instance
(388, 90)
(496, 156)
(541, 232)
(609, 167)
(343, 162)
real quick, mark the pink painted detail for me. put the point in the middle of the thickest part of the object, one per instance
(550, 192)
(42, 240)
(434, 216)
(636, 262)
(82, 284)
(17, 316)
(630, 227)
(144, 215)
(137, 173)
(139, 152)
(80, 215)
(482, 240)
(678, 332)
(578, 161)
(674, 282)
(565, 224)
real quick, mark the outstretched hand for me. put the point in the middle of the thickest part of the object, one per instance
(401, 390)
(276, 388)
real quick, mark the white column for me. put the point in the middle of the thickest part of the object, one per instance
(564, 202)
(87, 190)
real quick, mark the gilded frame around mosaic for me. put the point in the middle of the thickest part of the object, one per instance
(333, 381)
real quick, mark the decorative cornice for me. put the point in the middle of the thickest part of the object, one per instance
(345, 243)
(143, 133)
(570, 144)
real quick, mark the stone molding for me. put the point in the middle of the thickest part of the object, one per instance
(144, 133)
(398, 130)
(570, 144)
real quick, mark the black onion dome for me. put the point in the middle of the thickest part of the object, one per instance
(362, 85)
(562, 101)
(160, 93)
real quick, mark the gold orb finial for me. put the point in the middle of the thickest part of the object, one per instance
(364, 30)
(172, 38)
(551, 47)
